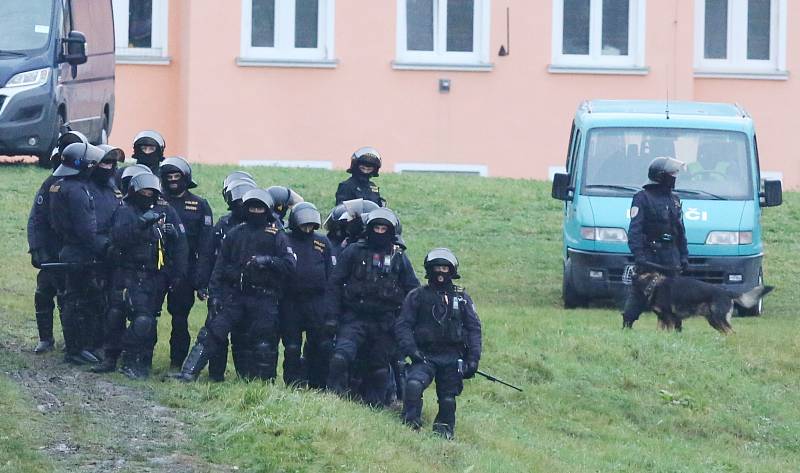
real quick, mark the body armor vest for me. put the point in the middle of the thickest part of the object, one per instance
(374, 284)
(439, 319)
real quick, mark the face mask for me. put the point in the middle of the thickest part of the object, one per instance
(142, 202)
(354, 228)
(237, 211)
(379, 241)
(102, 175)
(175, 187)
(433, 278)
(257, 219)
(668, 181)
(299, 233)
(150, 160)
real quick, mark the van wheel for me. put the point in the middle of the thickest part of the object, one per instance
(758, 309)
(570, 296)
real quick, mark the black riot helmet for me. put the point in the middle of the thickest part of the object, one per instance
(304, 213)
(353, 217)
(284, 199)
(129, 173)
(237, 189)
(381, 216)
(70, 137)
(108, 163)
(112, 153)
(334, 223)
(176, 164)
(78, 158)
(142, 182)
(257, 204)
(441, 257)
(368, 156)
(377, 240)
(662, 171)
(235, 176)
(55, 158)
(149, 138)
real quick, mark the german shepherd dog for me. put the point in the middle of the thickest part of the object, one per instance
(674, 298)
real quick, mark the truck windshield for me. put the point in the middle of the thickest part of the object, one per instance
(24, 25)
(718, 162)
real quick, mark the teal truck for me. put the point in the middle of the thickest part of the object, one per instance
(611, 146)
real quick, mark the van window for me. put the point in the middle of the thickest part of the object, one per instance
(568, 164)
(25, 24)
(717, 162)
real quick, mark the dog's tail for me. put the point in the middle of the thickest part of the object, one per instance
(750, 298)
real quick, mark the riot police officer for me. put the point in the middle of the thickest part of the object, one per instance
(233, 191)
(255, 260)
(365, 291)
(284, 198)
(656, 233)
(72, 216)
(335, 228)
(438, 329)
(303, 308)
(364, 164)
(107, 199)
(44, 247)
(128, 173)
(147, 242)
(197, 219)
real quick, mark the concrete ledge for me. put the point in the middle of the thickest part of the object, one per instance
(144, 60)
(776, 75)
(281, 163)
(258, 62)
(479, 169)
(625, 71)
(415, 66)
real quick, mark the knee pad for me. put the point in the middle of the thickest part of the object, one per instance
(414, 390)
(264, 352)
(143, 326)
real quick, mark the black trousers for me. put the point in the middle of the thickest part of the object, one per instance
(442, 368)
(180, 300)
(135, 298)
(83, 308)
(49, 288)
(304, 314)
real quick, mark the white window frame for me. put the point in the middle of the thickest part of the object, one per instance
(595, 61)
(736, 61)
(284, 51)
(440, 58)
(158, 52)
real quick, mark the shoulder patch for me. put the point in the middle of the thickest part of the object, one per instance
(161, 201)
(39, 199)
(182, 228)
(55, 188)
(207, 221)
(634, 211)
(333, 260)
(117, 193)
(271, 230)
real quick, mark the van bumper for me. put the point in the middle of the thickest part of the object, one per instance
(600, 275)
(27, 120)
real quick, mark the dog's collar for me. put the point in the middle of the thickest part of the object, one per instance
(650, 290)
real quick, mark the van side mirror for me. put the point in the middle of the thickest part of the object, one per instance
(772, 194)
(561, 188)
(75, 44)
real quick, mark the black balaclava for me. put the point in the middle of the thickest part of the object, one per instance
(380, 241)
(298, 232)
(237, 210)
(434, 276)
(668, 181)
(102, 175)
(174, 188)
(143, 202)
(257, 219)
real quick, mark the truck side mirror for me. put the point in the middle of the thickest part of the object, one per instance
(772, 194)
(561, 188)
(75, 44)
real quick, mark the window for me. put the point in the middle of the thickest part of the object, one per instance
(442, 33)
(141, 29)
(598, 34)
(287, 30)
(740, 36)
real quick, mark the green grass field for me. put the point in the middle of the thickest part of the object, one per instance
(596, 398)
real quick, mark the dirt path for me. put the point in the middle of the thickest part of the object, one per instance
(91, 423)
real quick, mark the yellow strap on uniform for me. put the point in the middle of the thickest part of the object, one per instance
(160, 262)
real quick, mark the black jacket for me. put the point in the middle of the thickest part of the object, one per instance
(656, 233)
(314, 264)
(359, 188)
(107, 199)
(198, 221)
(72, 216)
(42, 236)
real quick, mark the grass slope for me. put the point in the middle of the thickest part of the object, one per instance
(596, 398)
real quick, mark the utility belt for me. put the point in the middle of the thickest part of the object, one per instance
(255, 290)
(664, 240)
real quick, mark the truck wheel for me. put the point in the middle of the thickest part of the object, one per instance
(758, 309)
(571, 297)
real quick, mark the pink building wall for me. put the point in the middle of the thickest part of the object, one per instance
(514, 119)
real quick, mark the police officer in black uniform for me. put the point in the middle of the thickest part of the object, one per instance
(256, 258)
(335, 228)
(284, 198)
(233, 192)
(303, 308)
(107, 199)
(197, 219)
(364, 164)
(147, 242)
(656, 233)
(148, 149)
(44, 247)
(72, 216)
(439, 330)
(366, 289)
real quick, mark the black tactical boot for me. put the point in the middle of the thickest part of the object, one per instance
(89, 357)
(627, 324)
(194, 363)
(443, 430)
(44, 346)
(130, 365)
(108, 365)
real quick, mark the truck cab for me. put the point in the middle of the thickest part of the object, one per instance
(610, 149)
(56, 70)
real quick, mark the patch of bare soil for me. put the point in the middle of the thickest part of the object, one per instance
(91, 424)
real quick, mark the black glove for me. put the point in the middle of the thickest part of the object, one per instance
(169, 229)
(202, 293)
(470, 368)
(330, 327)
(148, 218)
(684, 266)
(418, 357)
(263, 261)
